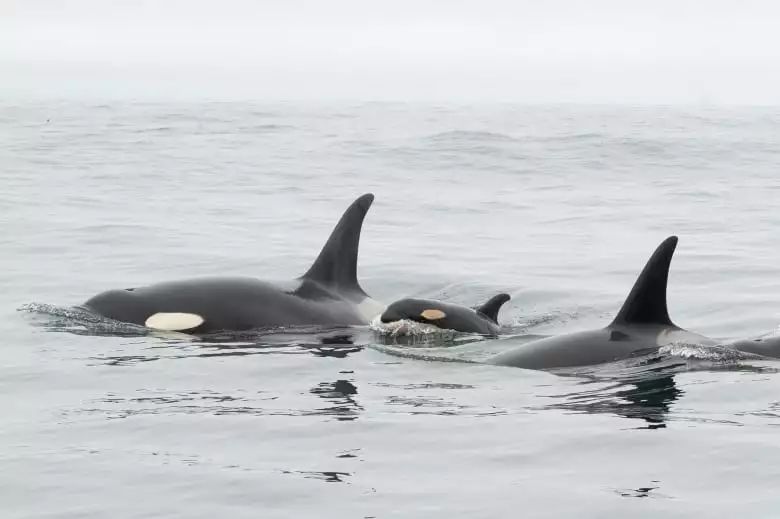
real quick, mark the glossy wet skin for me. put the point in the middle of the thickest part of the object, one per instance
(230, 304)
(641, 325)
(764, 346)
(442, 315)
(327, 294)
(595, 346)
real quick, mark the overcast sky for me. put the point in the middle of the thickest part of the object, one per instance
(661, 51)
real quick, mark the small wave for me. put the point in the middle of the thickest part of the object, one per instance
(337, 342)
(407, 333)
(585, 137)
(79, 321)
(265, 128)
(427, 385)
(717, 354)
(644, 146)
(667, 361)
(337, 404)
(471, 136)
(406, 327)
(522, 323)
(155, 129)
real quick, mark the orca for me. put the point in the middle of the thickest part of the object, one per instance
(327, 294)
(482, 320)
(642, 325)
(768, 347)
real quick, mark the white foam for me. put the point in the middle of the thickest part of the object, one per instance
(174, 321)
(709, 353)
(405, 327)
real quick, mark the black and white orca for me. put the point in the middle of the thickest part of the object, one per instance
(327, 294)
(482, 320)
(642, 325)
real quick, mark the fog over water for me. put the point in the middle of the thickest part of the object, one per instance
(541, 149)
(520, 51)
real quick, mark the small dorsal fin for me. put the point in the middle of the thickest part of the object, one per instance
(646, 304)
(493, 305)
(336, 266)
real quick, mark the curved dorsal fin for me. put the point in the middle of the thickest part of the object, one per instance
(336, 266)
(646, 304)
(493, 305)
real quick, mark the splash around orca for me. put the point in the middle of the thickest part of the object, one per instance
(482, 320)
(327, 294)
(642, 325)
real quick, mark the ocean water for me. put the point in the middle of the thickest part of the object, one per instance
(559, 206)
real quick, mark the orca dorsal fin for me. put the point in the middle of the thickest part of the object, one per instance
(646, 304)
(336, 266)
(493, 305)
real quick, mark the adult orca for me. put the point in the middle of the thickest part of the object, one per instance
(327, 294)
(765, 346)
(483, 320)
(642, 325)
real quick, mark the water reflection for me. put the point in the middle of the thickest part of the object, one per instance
(642, 388)
(315, 341)
(647, 399)
(642, 492)
(432, 398)
(327, 475)
(341, 395)
(339, 346)
(168, 402)
(650, 400)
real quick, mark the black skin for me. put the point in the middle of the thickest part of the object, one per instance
(237, 304)
(642, 325)
(482, 320)
(328, 294)
(764, 346)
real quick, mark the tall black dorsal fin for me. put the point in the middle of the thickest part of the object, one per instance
(336, 266)
(491, 308)
(646, 304)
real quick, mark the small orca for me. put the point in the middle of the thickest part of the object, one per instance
(483, 320)
(327, 294)
(642, 325)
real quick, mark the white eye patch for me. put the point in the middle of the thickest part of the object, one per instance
(174, 321)
(432, 314)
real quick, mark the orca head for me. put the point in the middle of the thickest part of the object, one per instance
(426, 311)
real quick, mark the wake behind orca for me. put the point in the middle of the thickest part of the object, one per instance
(327, 294)
(642, 325)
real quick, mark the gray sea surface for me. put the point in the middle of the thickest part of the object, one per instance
(560, 206)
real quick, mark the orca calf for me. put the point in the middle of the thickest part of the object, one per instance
(328, 294)
(642, 325)
(483, 320)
